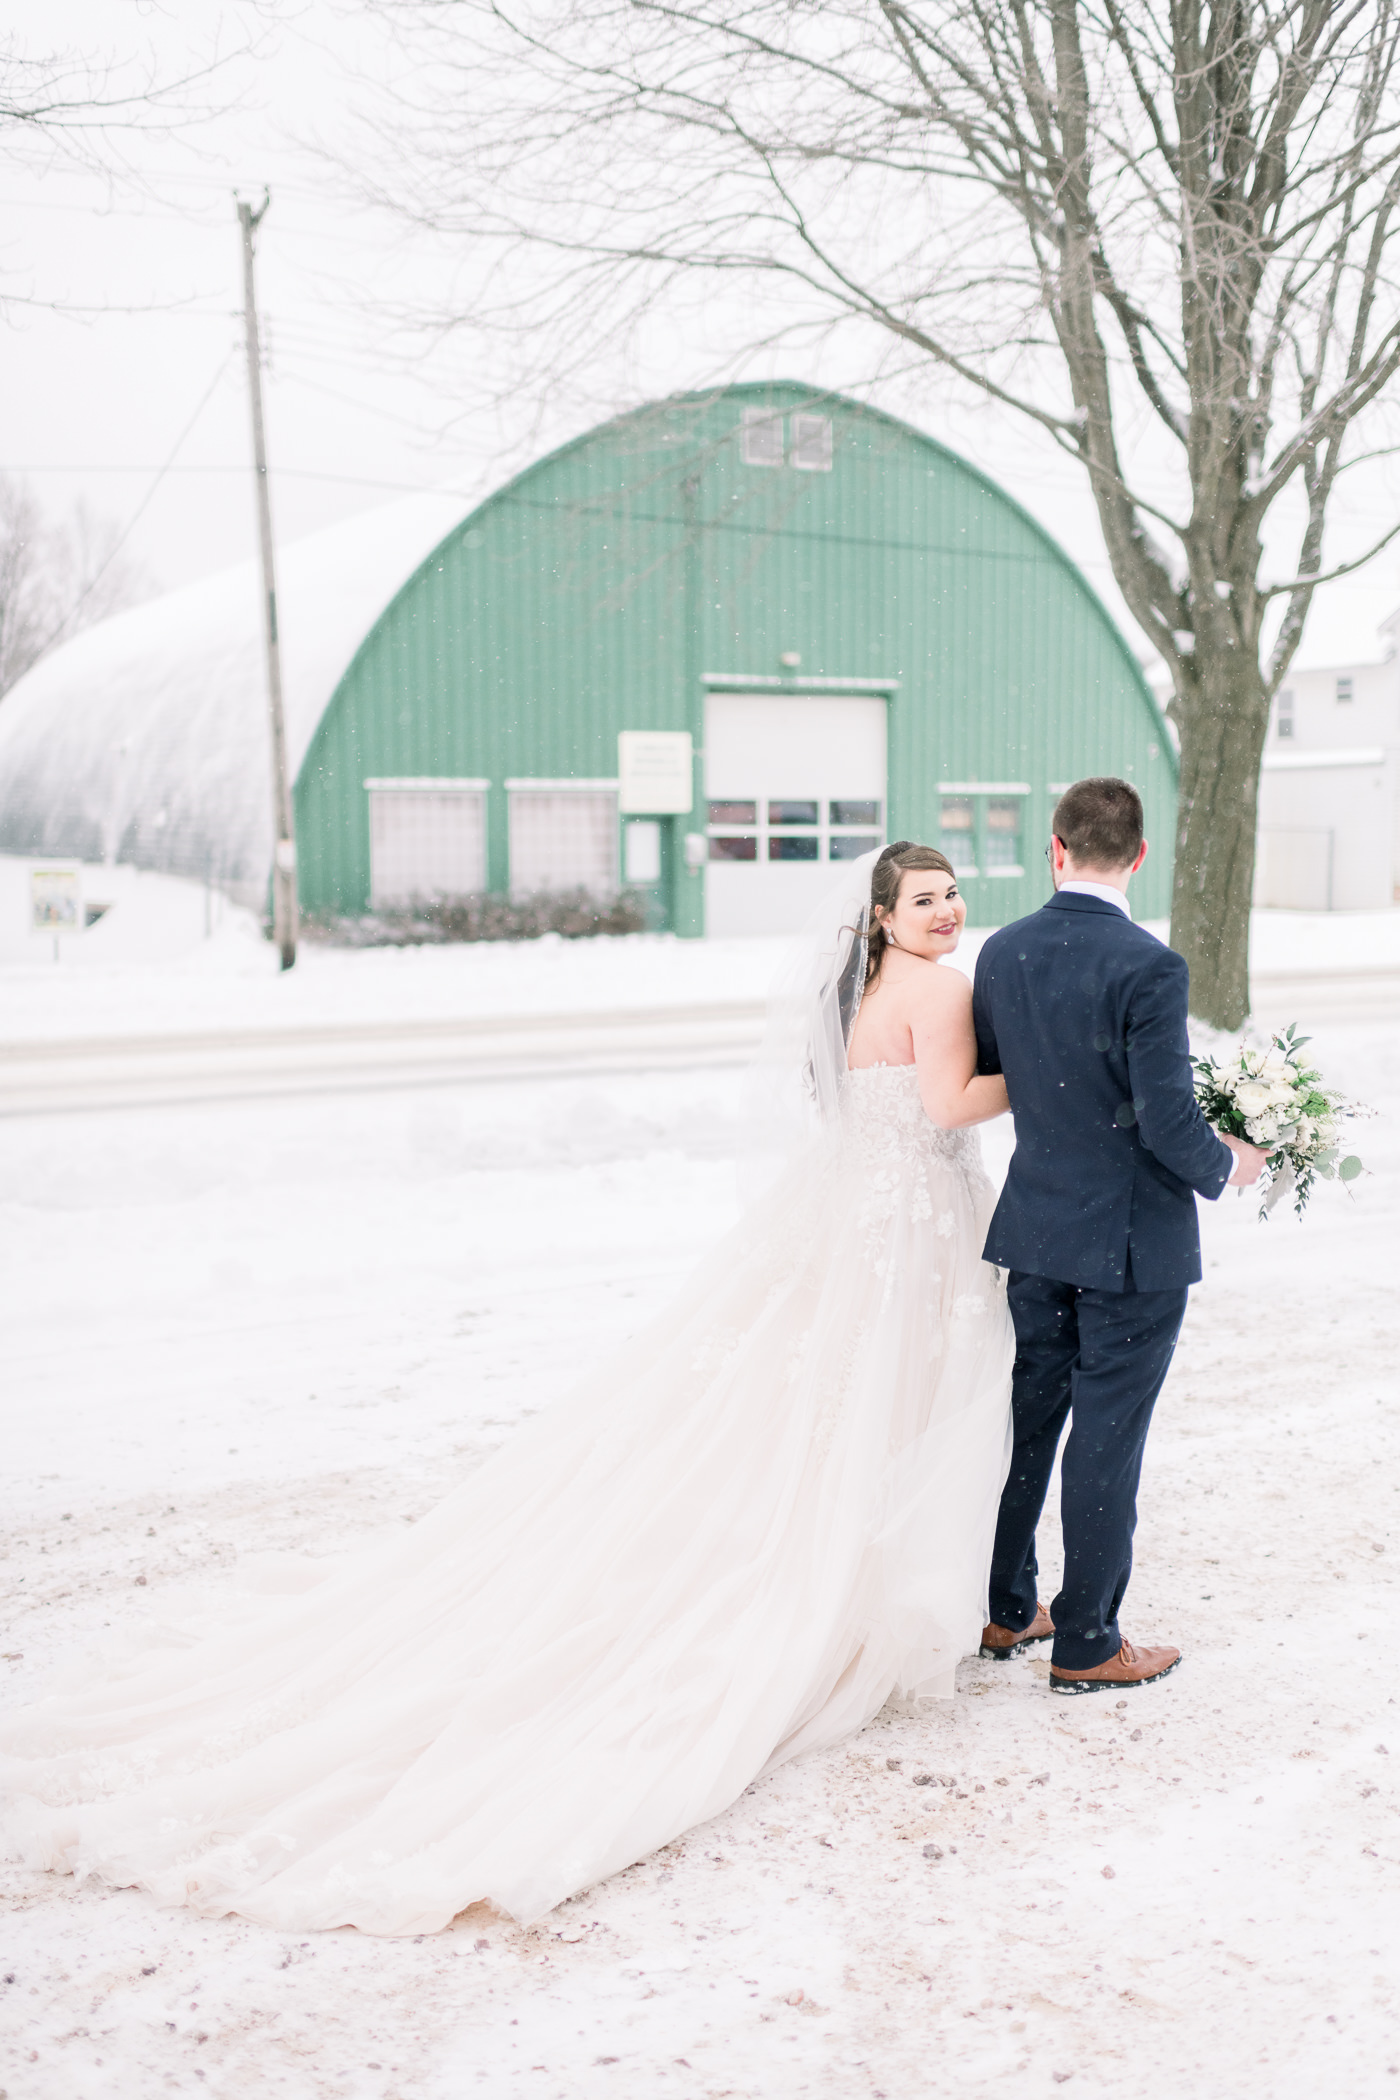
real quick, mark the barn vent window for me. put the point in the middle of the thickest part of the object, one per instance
(427, 839)
(808, 445)
(1285, 713)
(761, 438)
(811, 444)
(1343, 690)
(563, 836)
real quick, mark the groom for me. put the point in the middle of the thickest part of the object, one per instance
(1084, 1014)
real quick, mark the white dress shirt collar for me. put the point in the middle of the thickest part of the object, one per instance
(1104, 891)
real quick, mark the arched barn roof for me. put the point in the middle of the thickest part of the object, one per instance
(620, 583)
(145, 739)
(895, 635)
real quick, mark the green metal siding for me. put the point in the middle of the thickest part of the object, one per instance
(593, 593)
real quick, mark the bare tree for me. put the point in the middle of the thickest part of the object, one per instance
(55, 579)
(1161, 232)
(86, 109)
(79, 107)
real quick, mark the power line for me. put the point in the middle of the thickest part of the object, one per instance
(125, 534)
(358, 481)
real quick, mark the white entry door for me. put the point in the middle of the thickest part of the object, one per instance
(792, 783)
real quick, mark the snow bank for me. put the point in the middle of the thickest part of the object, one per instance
(170, 955)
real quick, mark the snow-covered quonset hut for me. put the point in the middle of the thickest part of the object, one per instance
(704, 650)
(145, 739)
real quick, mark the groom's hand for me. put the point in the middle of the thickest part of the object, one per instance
(1249, 1162)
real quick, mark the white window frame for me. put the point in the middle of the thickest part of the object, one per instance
(1006, 871)
(819, 427)
(980, 792)
(429, 783)
(751, 422)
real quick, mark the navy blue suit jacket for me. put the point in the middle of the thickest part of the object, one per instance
(1085, 1015)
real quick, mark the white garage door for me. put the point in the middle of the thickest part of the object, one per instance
(426, 840)
(792, 784)
(563, 838)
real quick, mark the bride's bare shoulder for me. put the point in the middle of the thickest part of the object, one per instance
(940, 990)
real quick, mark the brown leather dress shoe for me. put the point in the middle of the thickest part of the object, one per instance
(999, 1643)
(1130, 1666)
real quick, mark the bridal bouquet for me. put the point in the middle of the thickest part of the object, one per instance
(1276, 1101)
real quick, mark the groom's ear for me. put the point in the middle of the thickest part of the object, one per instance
(1141, 857)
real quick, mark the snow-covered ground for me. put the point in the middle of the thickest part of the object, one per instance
(278, 1323)
(148, 965)
(169, 956)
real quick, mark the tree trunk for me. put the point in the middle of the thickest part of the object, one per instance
(1224, 715)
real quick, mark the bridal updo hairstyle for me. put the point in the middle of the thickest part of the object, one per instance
(1099, 823)
(885, 878)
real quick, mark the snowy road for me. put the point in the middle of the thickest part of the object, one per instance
(81, 1073)
(278, 1322)
(144, 1071)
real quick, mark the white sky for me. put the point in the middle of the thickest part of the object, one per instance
(94, 402)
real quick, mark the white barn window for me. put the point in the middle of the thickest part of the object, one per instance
(957, 832)
(1001, 836)
(563, 836)
(1285, 712)
(811, 444)
(427, 838)
(761, 438)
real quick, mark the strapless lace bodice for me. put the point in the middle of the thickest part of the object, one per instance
(883, 1115)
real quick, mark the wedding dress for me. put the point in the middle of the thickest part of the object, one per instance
(769, 1512)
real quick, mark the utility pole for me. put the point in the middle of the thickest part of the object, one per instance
(284, 865)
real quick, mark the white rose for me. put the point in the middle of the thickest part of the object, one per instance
(1274, 1064)
(1281, 1093)
(1252, 1096)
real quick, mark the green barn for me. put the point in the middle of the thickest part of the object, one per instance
(701, 652)
(710, 646)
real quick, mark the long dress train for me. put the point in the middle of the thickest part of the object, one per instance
(768, 1512)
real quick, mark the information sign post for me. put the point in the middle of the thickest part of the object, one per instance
(56, 902)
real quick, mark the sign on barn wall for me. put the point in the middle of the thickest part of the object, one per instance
(654, 770)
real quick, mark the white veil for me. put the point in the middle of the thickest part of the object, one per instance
(813, 1001)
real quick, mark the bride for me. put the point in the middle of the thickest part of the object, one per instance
(767, 1513)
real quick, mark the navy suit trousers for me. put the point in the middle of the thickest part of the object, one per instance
(1099, 1357)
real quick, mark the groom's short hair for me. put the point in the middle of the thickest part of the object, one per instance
(1099, 822)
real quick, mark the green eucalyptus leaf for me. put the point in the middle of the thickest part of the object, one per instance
(1349, 1168)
